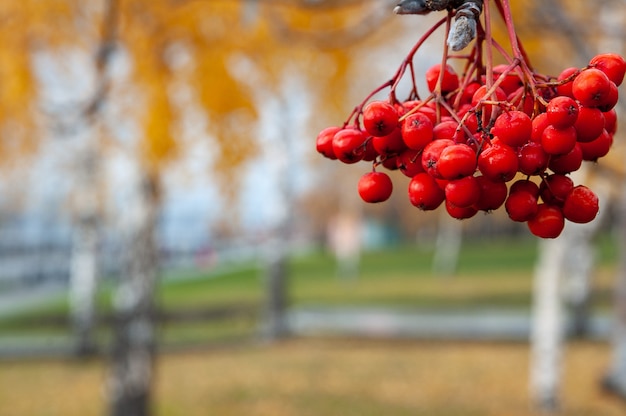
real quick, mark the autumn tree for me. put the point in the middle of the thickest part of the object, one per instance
(212, 57)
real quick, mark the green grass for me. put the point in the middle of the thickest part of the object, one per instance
(490, 274)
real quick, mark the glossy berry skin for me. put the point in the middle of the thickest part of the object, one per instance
(513, 128)
(525, 185)
(456, 161)
(558, 141)
(417, 131)
(521, 205)
(591, 87)
(565, 89)
(567, 163)
(610, 121)
(492, 194)
(391, 143)
(431, 154)
(548, 222)
(460, 213)
(589, 124)
(532, 159)
(539, 125)
(581, 205)
(449, 83)
(348, 145)
(375, 187)
(610, 100)
(612, 64)
(498, 162)
(446, 129)
(562, 112)
(554, 188)
(595, 149)
(324, 142)
(487, 109)
(424, 193)
(463, 192)
(380, 118)
(409, 162)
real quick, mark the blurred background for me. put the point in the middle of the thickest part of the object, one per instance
(172, 244)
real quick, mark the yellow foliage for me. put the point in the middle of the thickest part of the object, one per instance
(277, 37)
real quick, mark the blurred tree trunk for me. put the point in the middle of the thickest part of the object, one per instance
(278, 248)
(134, 339)
(547, 325)
(84, 262)
(447, 245)
(615, 379)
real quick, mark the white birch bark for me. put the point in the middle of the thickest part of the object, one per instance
(447, 245)
(134, 343)
(615, 379)
(84, 261)
(547, 329)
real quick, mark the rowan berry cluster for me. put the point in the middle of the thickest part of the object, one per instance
(489, 137)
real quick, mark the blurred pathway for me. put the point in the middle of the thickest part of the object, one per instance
(17, 300)
(488, 324)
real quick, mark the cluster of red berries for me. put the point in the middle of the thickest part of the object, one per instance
(477, 144)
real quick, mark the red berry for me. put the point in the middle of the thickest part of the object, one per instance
(390, 162)
(380, 118)
(417, 131)
(521, 205)
(611, 98)
(391, 143)
(569, 162)
(589, 124)
(375, 187)
(597, 148)
(514, 128)
(324, 142)
(424, 193)
(463, 192)
(348, 145)
(581, 205)
(410, 162)
(540, 123)
(492, 194)
(532, 159)
(558, 141)
(456, 161)
(487, 109)
(498, 162)
(525, 185)
(554, 188)
(612, 64)
(610, 121)
(548, 222)
(566, 88)
(511, 81)
(591, 87)
(449, 83)
(446, 129)
(460, 213)
(431, 154)
(562, 112)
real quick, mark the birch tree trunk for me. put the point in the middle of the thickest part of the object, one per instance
(447, 245)
(547, 328)
(278, 248)
(615, 379)
(134, 343)
(84, 261)
(562, 277)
